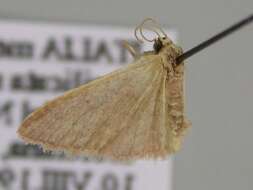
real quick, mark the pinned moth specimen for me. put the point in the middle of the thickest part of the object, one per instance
(136, 112)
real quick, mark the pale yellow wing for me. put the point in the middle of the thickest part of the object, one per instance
(122, 115)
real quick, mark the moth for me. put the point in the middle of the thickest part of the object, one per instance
(136, 112)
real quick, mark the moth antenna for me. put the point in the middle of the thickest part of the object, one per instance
(145, 38)
(156, 29)
(135, 34)
(156, 26)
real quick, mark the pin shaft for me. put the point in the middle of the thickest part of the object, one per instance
(215, 38)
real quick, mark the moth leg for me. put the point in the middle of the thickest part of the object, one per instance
(130, 48)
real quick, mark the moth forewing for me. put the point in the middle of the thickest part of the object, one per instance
(101, 118)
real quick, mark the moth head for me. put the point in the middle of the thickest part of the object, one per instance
(161, 42)
(166, 46)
